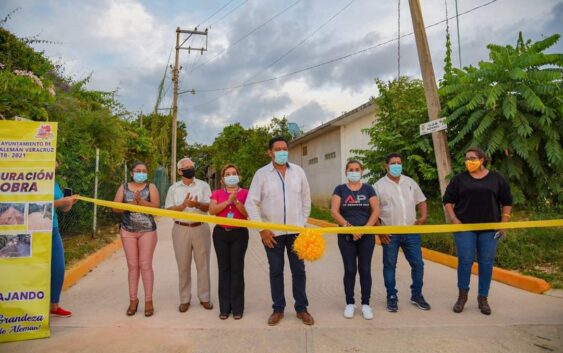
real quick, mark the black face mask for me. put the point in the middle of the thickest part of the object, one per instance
(188, 173)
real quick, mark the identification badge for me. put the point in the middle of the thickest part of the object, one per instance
(230, 215)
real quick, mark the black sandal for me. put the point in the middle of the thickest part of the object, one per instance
(223, 316)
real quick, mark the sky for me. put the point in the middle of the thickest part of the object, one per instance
(126, 45)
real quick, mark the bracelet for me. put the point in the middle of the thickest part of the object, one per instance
(507, 215)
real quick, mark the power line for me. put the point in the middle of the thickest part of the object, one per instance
(248, 34)
(303, 40)
(228, 13)
(300, 42)
(197, 58)
(326, 62)
(201, 23)
(215, 13)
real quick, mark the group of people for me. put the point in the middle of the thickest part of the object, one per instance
(279, 193)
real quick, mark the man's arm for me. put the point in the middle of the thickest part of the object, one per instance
(423, 211)
(169, 203)
(253, 199)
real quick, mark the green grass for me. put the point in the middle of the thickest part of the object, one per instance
(321, 213)
(534, 251)
(79, 246)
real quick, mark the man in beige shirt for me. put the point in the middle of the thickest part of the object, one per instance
(191, 238)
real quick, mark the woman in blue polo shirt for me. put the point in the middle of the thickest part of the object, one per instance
(355, 204)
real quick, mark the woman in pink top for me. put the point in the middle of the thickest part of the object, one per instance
(230, 242)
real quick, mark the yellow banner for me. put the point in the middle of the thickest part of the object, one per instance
(27, 175)
(441, 228)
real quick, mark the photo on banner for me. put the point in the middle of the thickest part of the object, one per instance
(27, 176)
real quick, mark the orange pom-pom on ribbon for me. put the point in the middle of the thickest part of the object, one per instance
(309, 245)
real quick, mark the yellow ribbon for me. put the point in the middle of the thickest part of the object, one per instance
(439, 228)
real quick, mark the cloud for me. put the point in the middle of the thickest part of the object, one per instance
(125, 44)
(310, 115)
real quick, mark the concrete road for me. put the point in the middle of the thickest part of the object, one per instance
(521, 321)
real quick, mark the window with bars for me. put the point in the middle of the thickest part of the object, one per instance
(313, 161)
(304, 150)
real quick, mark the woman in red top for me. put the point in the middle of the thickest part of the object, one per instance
(230, 242)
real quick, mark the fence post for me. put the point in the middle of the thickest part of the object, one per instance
(94, 224)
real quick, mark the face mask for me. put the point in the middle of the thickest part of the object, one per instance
(396, 170)
(231, 180)
(188, 173)
(280, 157)
(139, 177)
(473, 166)
(354, 176)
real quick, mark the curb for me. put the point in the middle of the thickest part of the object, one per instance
(81, 268)
(514, 279)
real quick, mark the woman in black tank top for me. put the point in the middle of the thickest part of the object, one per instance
(138, 235)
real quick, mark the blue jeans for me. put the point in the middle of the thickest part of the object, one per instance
(467, 245)
(57, 266)
(356, 256)
(410, 243)
(276, 261)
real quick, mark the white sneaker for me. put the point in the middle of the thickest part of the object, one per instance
(366, 312)
(349, 311)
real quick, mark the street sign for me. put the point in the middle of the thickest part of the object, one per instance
(433, 126)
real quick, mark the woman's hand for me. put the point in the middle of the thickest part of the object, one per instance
(137, 198)
(232, 197)
(502, 233)
(356, 236)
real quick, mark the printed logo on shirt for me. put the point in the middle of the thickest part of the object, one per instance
(350, 199)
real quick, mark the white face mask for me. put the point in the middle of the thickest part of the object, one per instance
(231, 180)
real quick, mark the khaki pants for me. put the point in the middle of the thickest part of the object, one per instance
(185, 241)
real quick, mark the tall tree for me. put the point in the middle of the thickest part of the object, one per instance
(511, 106)
(400, 109)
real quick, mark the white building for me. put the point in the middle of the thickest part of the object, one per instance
(324, 151)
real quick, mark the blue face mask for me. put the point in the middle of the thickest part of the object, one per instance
(354, 176)
(139, 177)
(280, 157)
(231, 180)
(396, 170)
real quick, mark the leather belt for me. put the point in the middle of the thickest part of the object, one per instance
(185, 224)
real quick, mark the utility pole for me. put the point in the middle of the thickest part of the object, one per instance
(458, 41)
(175, 76)
(439, 139)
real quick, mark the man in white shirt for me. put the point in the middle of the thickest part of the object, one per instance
(191, 238)
(399, 197)
(279, 193)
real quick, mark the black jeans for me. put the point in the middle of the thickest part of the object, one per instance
(230, 247)
(356, 256)
(276, 261)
